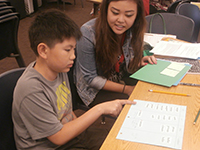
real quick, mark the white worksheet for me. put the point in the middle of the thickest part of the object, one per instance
(184, 50)
(154, 123)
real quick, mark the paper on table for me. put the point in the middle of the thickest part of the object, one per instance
(154, 123)
(176, 66)
(153, 38)
(184, 50)
(169, 72)
(173, 69)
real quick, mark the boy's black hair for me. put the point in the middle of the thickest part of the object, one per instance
(50, 27)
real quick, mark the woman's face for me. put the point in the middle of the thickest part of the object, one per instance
(121, 15)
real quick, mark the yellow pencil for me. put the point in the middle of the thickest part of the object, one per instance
(165, 92)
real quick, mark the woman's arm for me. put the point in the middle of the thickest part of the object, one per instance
(75, 127)
(117, 87)
(86, 60)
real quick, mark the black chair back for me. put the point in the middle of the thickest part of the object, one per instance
(7, 83)
(8, 37)
(6, 11)
(172, 6)
(8, 7)
(192, 11)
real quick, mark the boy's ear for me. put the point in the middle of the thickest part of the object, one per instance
(42, 50)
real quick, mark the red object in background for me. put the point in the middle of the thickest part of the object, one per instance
(146, 7)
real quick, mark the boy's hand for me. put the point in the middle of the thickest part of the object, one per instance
(114, 107)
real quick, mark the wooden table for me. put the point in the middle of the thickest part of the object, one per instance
(191, 138)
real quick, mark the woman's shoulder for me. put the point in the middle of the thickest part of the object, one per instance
(89, 24)
(88, 29)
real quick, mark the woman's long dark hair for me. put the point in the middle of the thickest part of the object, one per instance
(107, 44)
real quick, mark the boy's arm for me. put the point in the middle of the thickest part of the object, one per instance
(77, 126)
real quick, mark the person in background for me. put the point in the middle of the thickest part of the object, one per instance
(110, 50)
(42, 107)
(161, 5)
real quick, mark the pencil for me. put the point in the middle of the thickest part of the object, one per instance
(189, 84)
(165, 92)
(197, 116)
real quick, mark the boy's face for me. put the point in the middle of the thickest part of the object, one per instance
(61, 57)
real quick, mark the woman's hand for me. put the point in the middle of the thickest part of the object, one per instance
(148, 59)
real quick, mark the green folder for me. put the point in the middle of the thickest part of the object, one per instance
(152, 74)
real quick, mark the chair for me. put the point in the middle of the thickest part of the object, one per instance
(6, 11)
(193, 12)
(172, 6)
(170, 23)
(5, 1)
(8, 37)
(175, 4)
(7, 83)
(8, 7)
(3, 4)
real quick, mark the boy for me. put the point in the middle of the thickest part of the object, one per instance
(42, 107)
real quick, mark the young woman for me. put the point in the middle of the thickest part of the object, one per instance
(111, 49)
